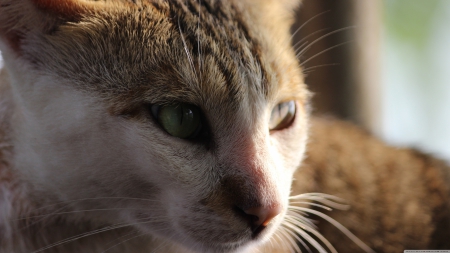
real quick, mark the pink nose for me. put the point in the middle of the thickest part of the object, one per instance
(261, 216)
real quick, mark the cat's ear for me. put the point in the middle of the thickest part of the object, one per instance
(21, 18)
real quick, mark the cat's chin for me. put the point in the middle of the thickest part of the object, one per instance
(241, 246)
(234, 235)
(206, 239)
(246, 244)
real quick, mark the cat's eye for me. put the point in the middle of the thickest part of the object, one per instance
(180, 120)
(282, 115)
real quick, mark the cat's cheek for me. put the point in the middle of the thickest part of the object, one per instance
(290, 143)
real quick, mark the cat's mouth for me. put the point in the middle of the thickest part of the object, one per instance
(227, 231)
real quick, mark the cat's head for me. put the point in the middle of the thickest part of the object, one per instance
(186, 119)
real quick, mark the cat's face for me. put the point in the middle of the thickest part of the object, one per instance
(185, 125)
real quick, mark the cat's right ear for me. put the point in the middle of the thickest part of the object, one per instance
(20, 19)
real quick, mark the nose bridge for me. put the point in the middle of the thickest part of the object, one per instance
(251, 171)
(249, 188)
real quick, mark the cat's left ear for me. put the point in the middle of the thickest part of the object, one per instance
(22, 18)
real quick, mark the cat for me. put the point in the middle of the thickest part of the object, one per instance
(178, 126)
(173, 126)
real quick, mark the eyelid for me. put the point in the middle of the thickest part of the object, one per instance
(282, 115)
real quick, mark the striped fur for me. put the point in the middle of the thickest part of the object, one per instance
(84, 168)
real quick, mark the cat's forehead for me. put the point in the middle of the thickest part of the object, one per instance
(201, 52)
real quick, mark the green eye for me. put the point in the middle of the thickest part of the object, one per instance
(282, 115)
(179, 120)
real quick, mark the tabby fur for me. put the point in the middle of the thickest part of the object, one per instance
(85, 169)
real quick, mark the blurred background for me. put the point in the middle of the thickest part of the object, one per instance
(383, 64)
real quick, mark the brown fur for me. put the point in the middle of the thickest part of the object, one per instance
(399, 198)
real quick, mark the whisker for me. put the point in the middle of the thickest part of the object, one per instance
(199, 49)
(292, 242)
(73, 238)
(287, 245)
(295, 236)
(313, 204)
(296, 46)
(319, 66)
(119, 238)
(163, 244)
(311, 240)
(81, 211)
(302, 226)
(303, 50)
(306, 22)
(96, 198)
(324, 51)
(83, 235)
(317, 195)
(191, 62)
(124, 241)
(57, 211)
(277, 240)
(321, 238)
(271, 243)
(88, 199)
(343, 229)
(301, 218)
(303, 41)
(43, 217)
(296, 220)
